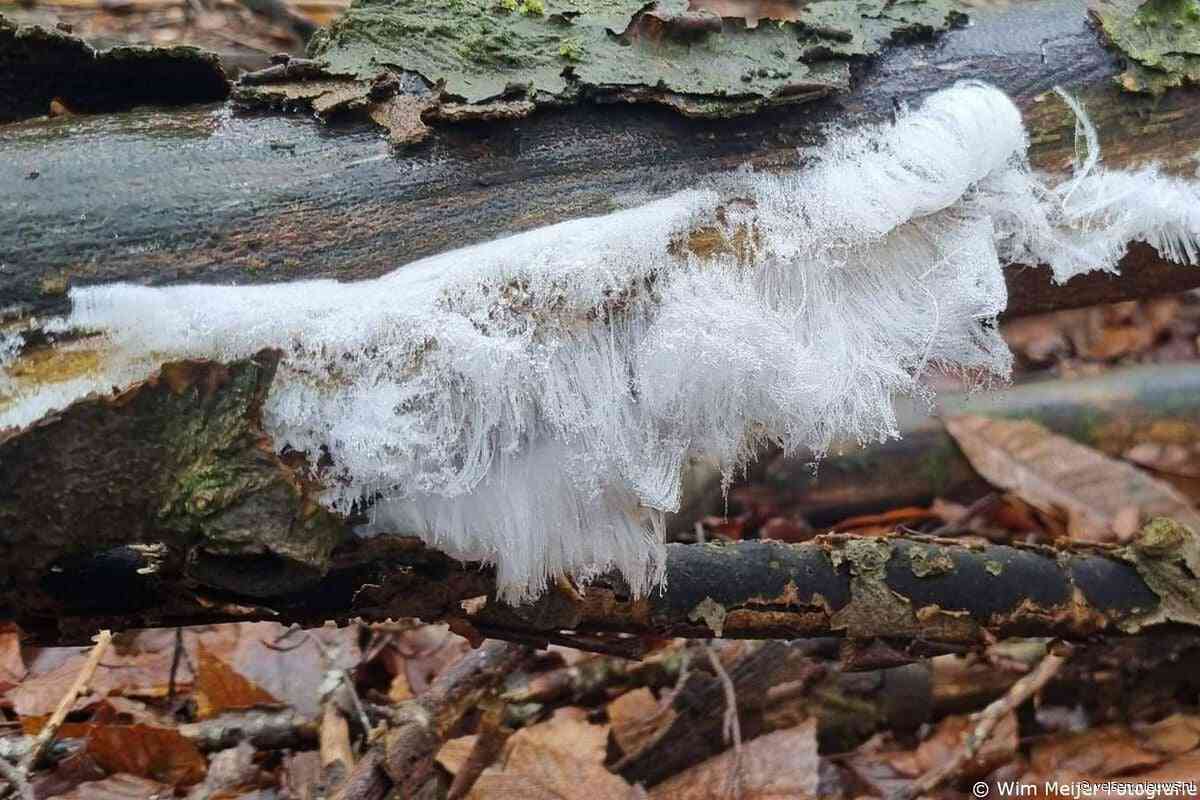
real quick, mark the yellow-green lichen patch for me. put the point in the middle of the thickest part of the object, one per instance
(477, 51)
(927, 560)
(1161, 38)
(1167, 556)
(712, 614)
(993, 567)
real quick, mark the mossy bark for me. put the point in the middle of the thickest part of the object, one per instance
(172, 474)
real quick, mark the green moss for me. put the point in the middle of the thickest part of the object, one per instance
(569, 49)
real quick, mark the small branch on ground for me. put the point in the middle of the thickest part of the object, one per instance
(16, 779)
(493, 735)
(403, 758)
(732, 728)
(985, 722)
(48, 731)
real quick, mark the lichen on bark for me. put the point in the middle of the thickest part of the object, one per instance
(1161, 39)
(480, 53)
(1166, 554)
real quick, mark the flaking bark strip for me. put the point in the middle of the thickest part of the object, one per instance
(1160, 38)
(38, 65)
(185, 453)
(1167, 556)
(500, 59)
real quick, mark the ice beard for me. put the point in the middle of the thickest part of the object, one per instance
(530, 402)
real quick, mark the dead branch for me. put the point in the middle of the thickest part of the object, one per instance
(910, 590)
(303, 220)
(48, 731)
(1124, 407)
(404, 756)
(985, 722)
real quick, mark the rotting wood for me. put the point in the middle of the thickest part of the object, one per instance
(39, 65)
(403, 758)
(153, 558)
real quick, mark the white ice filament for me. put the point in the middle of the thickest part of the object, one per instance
(530, 402)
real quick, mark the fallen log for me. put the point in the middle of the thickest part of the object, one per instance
(1111, 412)
(208, 194)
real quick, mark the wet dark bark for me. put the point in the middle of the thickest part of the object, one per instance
(210, 195)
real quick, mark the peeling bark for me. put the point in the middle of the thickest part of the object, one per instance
(165, 504)
(38, 65)
(174, 472)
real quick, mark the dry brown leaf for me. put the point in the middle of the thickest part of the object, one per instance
(886, 521)
(946, 740)
(1177, 734)
(1056, 475)
(637, 719)
(52, 673)
(120, 787)
(12, 664)
(455, 752)
(567, 729)
(782, 764)
(148, 751)
(1172, 458)
(1183, 768)
(287, 664)
(538, 768)
(1095, 753)
(219, 688)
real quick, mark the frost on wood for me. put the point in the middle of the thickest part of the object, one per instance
(529, 402)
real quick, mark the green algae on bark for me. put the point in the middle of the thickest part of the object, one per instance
(178, 462)
(483, 52)
(1161, 39)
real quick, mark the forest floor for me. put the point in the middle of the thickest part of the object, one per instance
(259, 710)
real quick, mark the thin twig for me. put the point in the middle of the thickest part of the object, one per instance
(16, 778)
(48, 731)
(493, 735)
(984, 722)
(176, 658)
(733, 727)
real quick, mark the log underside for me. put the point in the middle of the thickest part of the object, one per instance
(106, 521)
